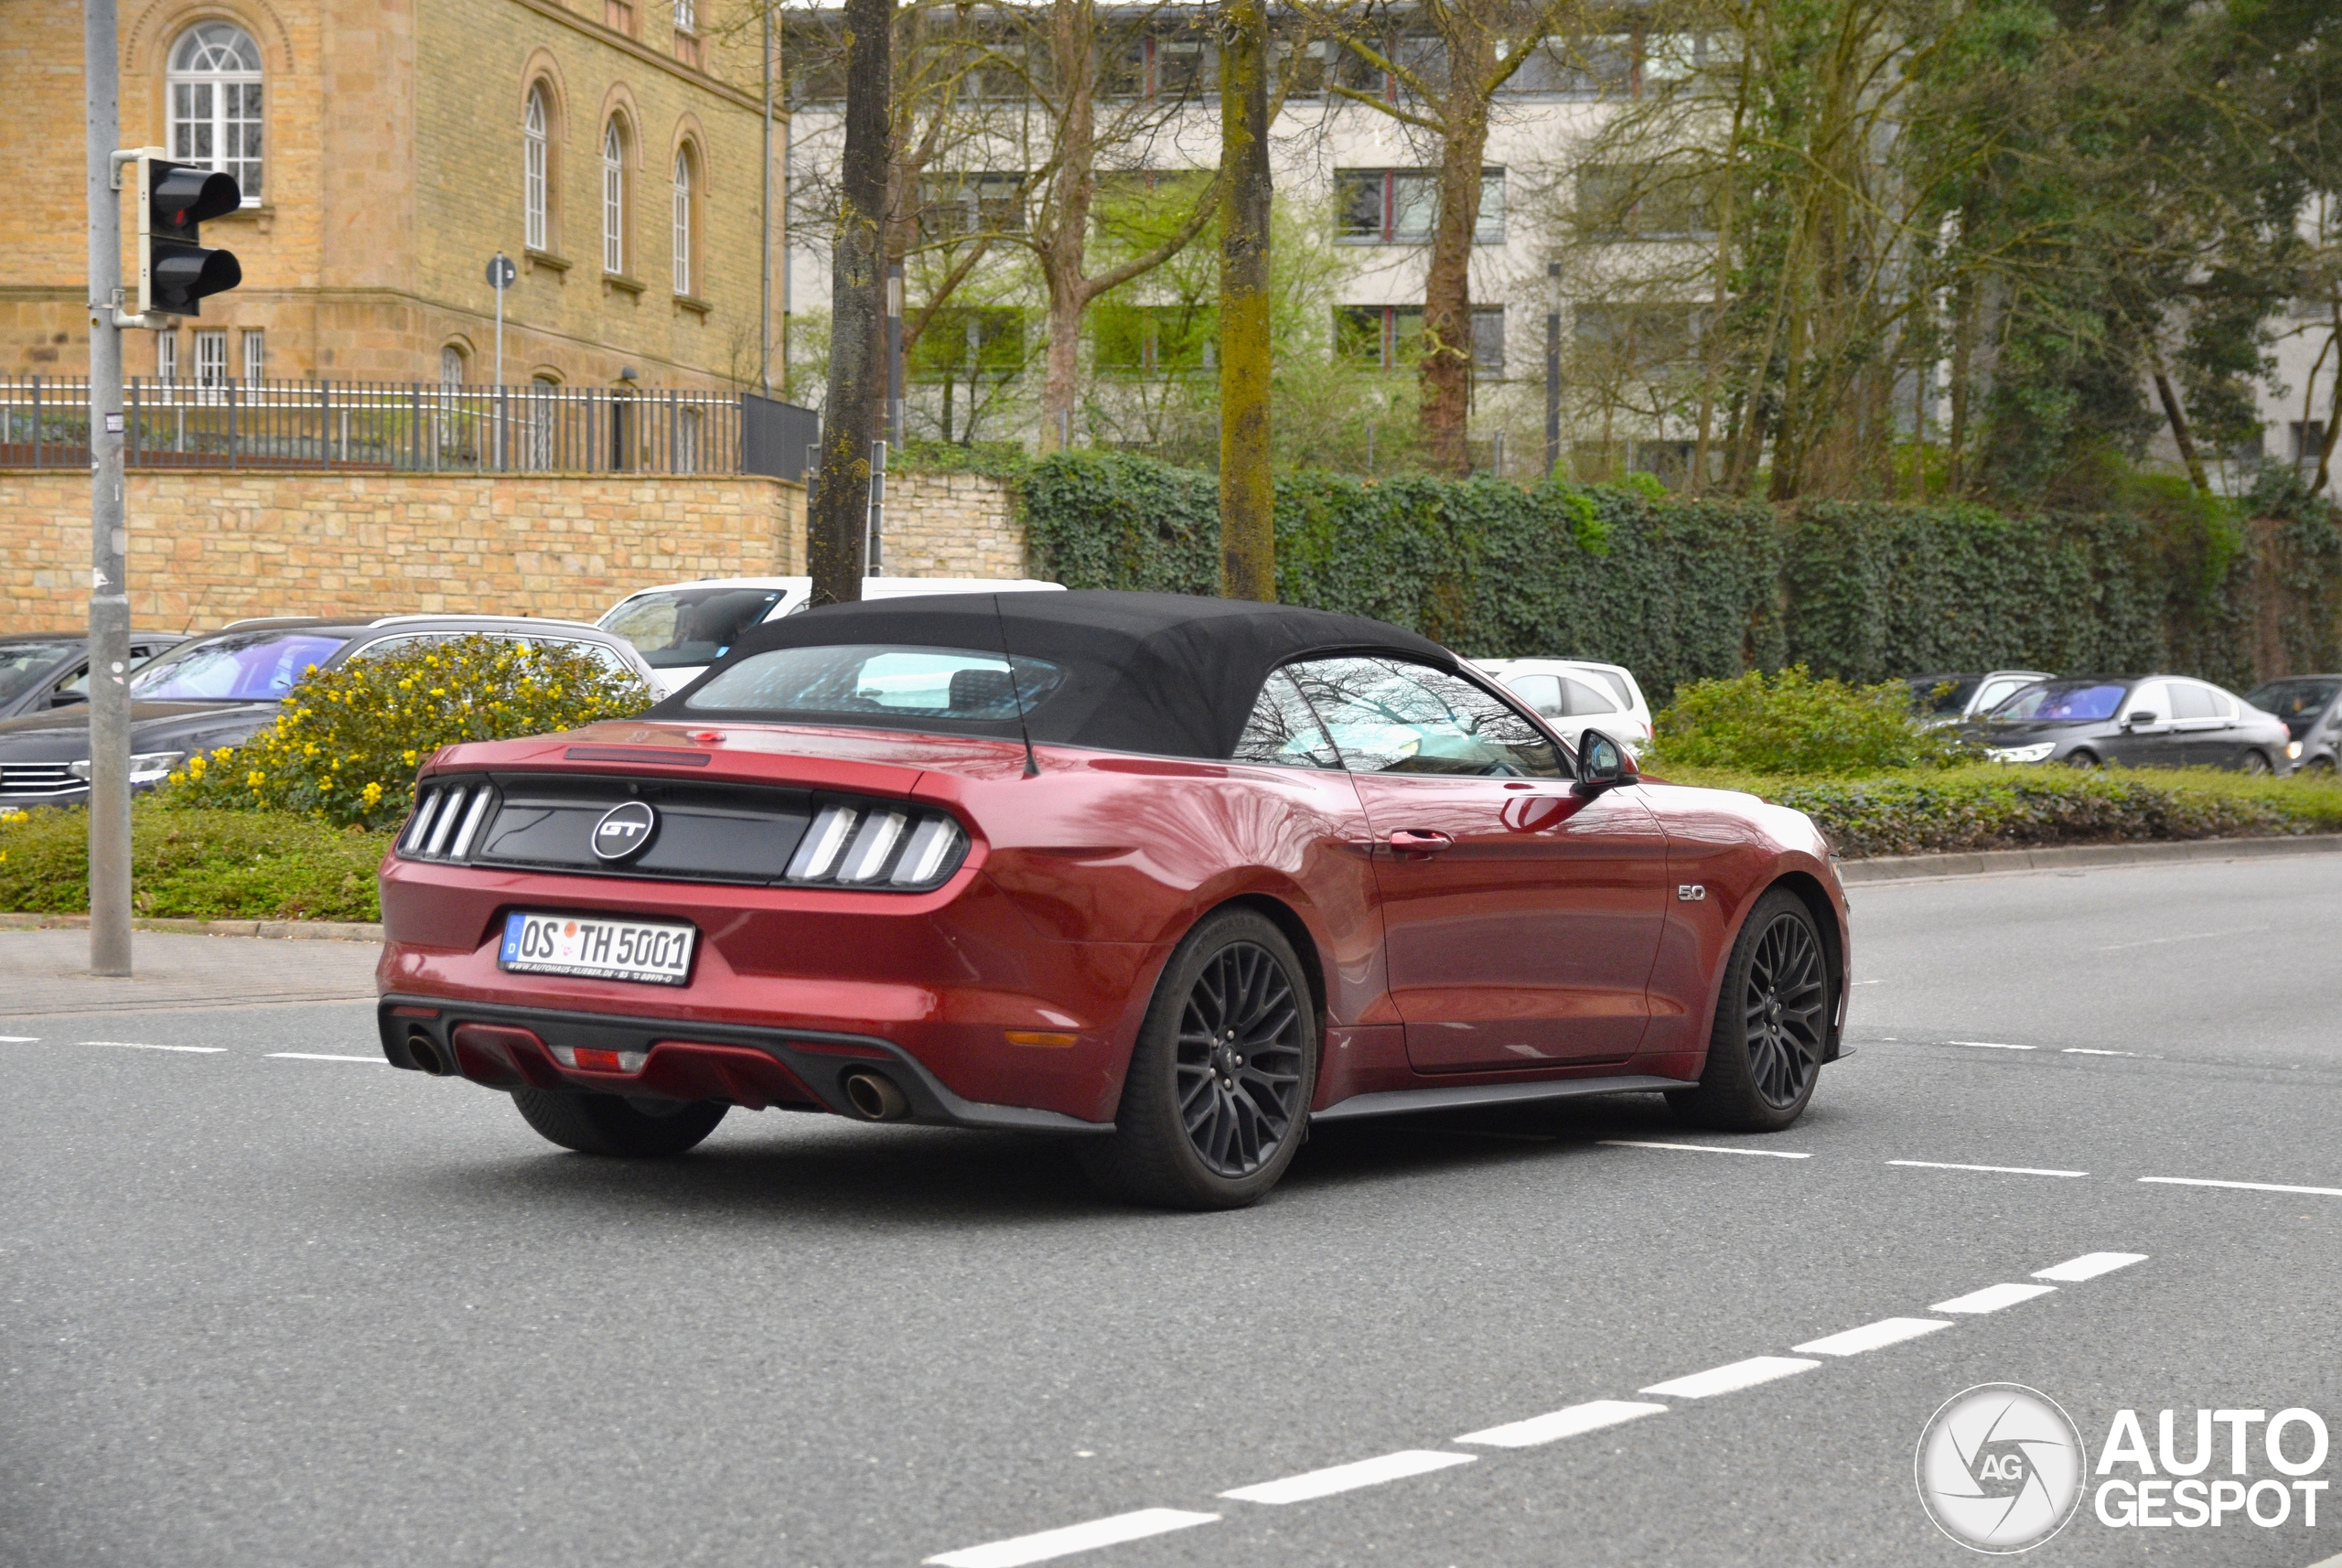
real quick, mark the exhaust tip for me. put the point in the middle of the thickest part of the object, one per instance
(424, 1052)
(875, 1097)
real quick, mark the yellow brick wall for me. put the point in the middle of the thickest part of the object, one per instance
(214, 547)
(392, 140)
(950, 525)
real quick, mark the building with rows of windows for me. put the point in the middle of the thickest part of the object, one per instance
(387, 150)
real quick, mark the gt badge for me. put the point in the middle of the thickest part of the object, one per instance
(1691, 892)
(625, 829)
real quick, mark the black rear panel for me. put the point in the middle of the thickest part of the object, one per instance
(707, 832)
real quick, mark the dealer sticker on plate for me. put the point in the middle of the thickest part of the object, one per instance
(658, 953)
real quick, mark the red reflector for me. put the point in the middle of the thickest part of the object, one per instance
(598, 1061)
(414, 1012)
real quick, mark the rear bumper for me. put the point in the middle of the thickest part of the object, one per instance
(507, 1047)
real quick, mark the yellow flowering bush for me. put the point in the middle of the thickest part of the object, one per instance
(349, 741)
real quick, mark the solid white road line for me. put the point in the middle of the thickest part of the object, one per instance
(1731, 1378)
(19, 1039)
(2089, 1266)
(2086, 1051)
(1348, 1477)
(2243, 1186)
(1992, 1044)
(1592, 1416)
(1701, 1148)
(1073, 1538)
(143, 1046)
(1992, 1298)
(1872, 1336)
(319, 1057)
(1997, 1170)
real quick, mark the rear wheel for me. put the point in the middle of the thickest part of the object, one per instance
(1217, 1098)
(2257, 763)
(1772, 1024)
(611, 1124)
(2081, 759)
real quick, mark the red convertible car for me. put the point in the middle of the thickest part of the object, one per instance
(1177, 877)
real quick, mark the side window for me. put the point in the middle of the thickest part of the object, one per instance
(2155, 698)
(599, 652)
(1543, 692)
(1996, 691)
(2189, 701)
(1390, 715)
(1282, 730)
(1584, 698)
(388, 645)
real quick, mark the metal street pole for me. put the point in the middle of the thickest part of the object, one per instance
(109, 596)
(764, 238)
(1553, 368)
(500, 274)
(895, 352)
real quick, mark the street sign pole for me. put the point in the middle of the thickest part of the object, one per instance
(501, 273)
(109, 597)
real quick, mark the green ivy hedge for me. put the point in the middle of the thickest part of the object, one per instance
(1679, 591)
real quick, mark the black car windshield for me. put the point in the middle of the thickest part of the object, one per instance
(1943, 693)
(235, 667)
(2296, 701)
(21, 664)
(866, 683)
(2063, 701)
(682, 628)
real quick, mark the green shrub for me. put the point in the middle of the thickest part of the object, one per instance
(197, 864)
(1988, 806)
(1792, 723)
(349, 740)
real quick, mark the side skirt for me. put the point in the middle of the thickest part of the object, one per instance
(1403, 1102)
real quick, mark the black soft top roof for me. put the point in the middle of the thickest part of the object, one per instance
(1165, 675)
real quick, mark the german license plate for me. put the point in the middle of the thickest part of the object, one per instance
(653, 952)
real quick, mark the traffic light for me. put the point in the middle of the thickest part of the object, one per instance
(174, 271)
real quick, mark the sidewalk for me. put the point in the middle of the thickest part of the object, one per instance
(48, 972)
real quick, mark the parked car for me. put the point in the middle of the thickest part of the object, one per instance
(2311, 709)
(40, 671)
(2137, 721)
(683, 628)
(1172, 878)
(1955, 699)
(1573, 694)
(219, 690)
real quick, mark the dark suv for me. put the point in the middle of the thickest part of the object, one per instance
(44, 670)
(219, 690)
(2311, 706)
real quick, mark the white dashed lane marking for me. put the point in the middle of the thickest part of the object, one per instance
(2086, 1051)
(1073, 1538)
(2243, 1186)
(19, 1039)
(143, 1046)
(1992, 1298)
(1996, 1170)
(1702, 1148)
(1992, 1044)
(1349, 1477)
(320, 1056)
(1731, 1378)
(1872, 1336)
(2089, 1266)
(1591, 1416)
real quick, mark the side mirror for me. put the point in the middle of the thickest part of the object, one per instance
(2138, 716)
(1603, 763)
(66, 699)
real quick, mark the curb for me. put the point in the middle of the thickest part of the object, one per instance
(290, 931)
(2002, 862)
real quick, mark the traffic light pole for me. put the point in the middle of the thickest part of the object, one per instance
(109, 597)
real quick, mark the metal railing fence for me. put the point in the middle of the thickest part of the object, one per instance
(409, 426)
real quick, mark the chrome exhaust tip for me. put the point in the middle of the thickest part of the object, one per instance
(424, 1052)
(875, 1097)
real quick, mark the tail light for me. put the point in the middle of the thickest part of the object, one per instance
(869, 844)
(447, 818)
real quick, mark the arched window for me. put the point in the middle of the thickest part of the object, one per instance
(214, 92)
(534, 232)
(614, 198)
(451, 366)
(683, 221)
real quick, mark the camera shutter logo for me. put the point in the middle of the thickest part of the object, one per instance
(2001, 1468)
(624, 830)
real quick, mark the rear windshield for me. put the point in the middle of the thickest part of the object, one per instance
(2063, 701)
(1943, 693)
(238, 667)
(682, 628)
(2297, 699)
(21, 664)
(880, 683)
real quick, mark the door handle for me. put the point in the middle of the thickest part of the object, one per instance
(1408, 841)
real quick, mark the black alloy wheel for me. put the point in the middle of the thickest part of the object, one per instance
(1772, 1024)
(1215, 1099)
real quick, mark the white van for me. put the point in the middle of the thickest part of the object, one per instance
(1575, 695)
(679, 628)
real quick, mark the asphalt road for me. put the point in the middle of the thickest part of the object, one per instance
(265, 1309)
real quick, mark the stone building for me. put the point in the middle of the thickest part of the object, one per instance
(387, 149)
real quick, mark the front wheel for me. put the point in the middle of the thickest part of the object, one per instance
(611, 1124)
(2319, 768)
(1216, 1101)
(2257, 764)
(2081, 759)
(1771, 1027)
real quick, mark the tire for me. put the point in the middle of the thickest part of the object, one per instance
(612, 1124)
(1216, 1101)
(1771, 1026)
(2319, 767)
(2257, 764)
(2081, 759)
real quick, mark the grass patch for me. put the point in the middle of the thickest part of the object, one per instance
(195, 864)
(1990, 806)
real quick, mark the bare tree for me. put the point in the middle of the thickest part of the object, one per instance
(838, 529)
(1248, 544)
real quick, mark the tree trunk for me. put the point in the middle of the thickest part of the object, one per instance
(2333, 422)
(2177, 415)
(1963, 349)
(1248, 549)
(837, 530)
(1447, 367)
(1072, 36)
